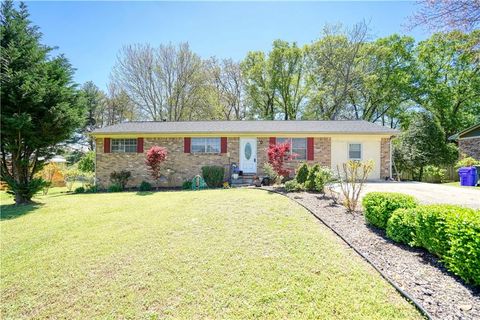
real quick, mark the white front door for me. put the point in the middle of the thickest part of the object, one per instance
(248, 155)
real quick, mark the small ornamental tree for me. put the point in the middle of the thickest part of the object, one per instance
(277, 155)
(87, 162)
(155, 157)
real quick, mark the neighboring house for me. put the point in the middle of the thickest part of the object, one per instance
(469, 141)
(192, 145)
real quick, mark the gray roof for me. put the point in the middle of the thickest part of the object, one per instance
(256, 126)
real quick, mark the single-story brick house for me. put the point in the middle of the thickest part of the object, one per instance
(194, 144)
(469, 141)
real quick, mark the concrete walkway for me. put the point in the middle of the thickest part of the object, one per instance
(429, 193)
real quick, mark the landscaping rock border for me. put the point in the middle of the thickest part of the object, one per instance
(414, 271)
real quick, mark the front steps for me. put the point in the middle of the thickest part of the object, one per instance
(243, 181)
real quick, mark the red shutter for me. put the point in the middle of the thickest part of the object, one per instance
(106, 145)
(310, 149)
(139, 145)
(273, 140)
(223, 145)
(186, 145)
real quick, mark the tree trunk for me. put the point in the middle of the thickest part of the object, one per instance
(21, 180)
(420, 174)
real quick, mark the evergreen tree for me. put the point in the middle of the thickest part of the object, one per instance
(40, 105)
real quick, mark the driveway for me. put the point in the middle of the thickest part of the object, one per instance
(429, 193)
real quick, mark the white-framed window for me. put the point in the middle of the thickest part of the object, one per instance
(355, 151)
(298, 147)
(124, 145)
(205, 145)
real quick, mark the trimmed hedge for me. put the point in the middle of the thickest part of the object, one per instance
(463, 257)
(402, 225)
(453, 234)
(450, 232)
(379, 206)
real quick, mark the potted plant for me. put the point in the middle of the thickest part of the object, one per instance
(235, 172)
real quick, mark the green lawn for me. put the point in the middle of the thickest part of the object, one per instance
(240, 253)
(457, 184)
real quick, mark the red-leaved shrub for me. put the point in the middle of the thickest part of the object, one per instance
(155, 157)
(277, 155)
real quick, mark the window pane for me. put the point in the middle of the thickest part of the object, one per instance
(300, 143)
(130, 145)
(283, 140)
(355, 151)
(198, 145)
(213, 145)
(300, 154)
(117, 145)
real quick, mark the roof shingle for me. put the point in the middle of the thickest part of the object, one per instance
(256, 126)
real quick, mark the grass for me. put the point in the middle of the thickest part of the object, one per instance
(457, 184)
(239, 253)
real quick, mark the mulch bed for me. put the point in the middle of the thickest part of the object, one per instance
(415, 271)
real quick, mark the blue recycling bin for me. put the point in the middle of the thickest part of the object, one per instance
(468, 176)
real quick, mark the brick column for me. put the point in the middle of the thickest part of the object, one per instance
(385, 161)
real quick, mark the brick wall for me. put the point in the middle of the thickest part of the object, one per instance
(385, 158)
(182, 166)
(470, 147)
(178, 167)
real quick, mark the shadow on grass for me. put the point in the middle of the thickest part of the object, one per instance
(144, 193)
(12, 211)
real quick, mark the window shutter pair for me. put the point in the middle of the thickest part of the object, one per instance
(187, 144)
(107, 148)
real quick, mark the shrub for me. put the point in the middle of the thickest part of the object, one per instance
(70, 175)
(115, 188)
(91, 189)
(272, 174)
(434, 174)
(87, 162)
(453, 234)
(213, 176)
(145, 186)
(322, 178)
(302, 173)
(463, 257)
(277, 155)
(293, 186)
(379, 206)
(433, 222)
(351, 179)
(153, 159)
(466, 162)
(401, 226)
(47, 173)
(187, 185)
(310, 182)
(120, 178)
(80, 190)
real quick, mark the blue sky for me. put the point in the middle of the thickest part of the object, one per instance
(91, 33)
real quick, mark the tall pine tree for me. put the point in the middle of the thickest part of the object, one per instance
(40, 105)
